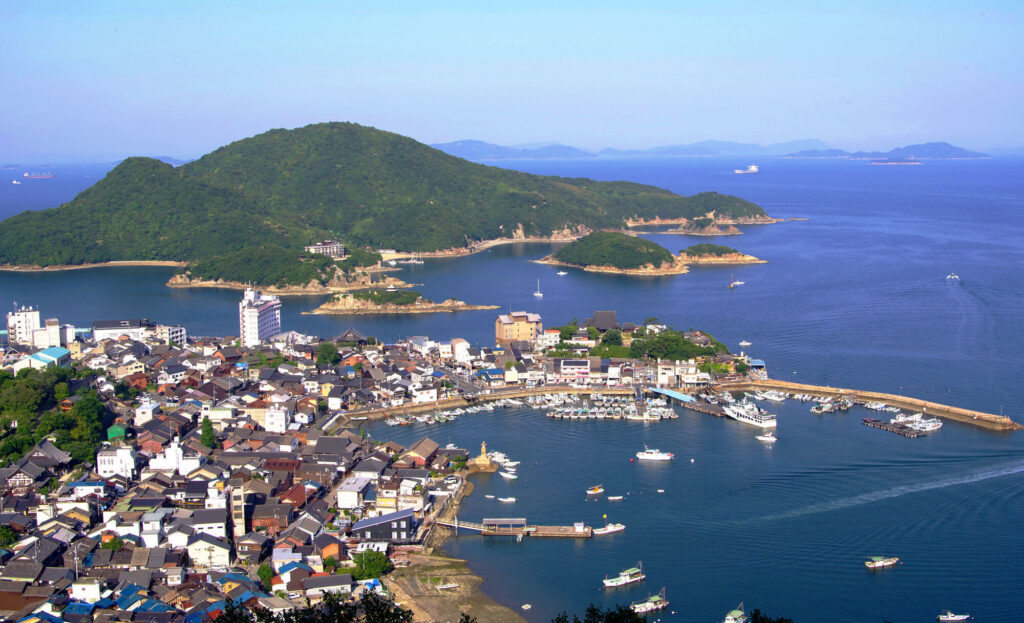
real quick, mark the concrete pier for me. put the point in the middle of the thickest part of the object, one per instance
(931, 409)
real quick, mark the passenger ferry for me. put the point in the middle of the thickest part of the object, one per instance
(749, 413)
(626, 576)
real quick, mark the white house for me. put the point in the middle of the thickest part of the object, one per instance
(351, 492)
(89, 590)
(173, 459)
(119, 461)
(276, 418)
(206, 551)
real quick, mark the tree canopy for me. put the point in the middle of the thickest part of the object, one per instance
(287, 188)
(605, 248)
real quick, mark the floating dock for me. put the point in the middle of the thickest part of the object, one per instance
(899, 429)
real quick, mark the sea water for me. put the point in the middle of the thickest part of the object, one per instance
(854, 296)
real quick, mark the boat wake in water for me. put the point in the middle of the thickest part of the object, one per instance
(895, 492)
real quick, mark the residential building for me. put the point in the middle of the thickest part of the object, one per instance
(517, 326)
(259, 317)
(115, 329)
(21, 324)
(119, 461)
(331, 248)
(397, 527)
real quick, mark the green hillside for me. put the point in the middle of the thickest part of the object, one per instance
(605, 248)
(698, 250)
(291, 187)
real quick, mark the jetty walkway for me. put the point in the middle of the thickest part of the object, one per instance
(935, 409)
(518, 527)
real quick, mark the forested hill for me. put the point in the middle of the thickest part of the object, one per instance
(340, 180)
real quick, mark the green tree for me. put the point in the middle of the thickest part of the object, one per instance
(370, 564)
(612, 337)
(207, 437)
(593, 333)
(115, 544)
(7, 536)
(327, 354)
(330, 564)
(60, 392)
(266, 575)
(594, 614)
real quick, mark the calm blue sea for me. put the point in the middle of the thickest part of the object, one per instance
(855, 295)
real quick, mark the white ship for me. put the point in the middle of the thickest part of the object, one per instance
(751, 169)
(653, 454)
(748, 413)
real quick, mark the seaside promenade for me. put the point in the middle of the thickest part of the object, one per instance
(976, 418)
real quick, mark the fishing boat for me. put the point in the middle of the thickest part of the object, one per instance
(949, 616)
(561, 273)
(595, 490)
(538, 293)
(626, 576)
(507, 500)
(508, 475)
(653, 454)
(736, 615)
(733, 283)
(881, 562)
(489, 496)
(610, 528)
(953, 276)
(614, 498)
(769, 437)
(652, 603)
(744, 343)
(526, 606)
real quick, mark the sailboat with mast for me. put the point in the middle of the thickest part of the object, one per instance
(538, 293)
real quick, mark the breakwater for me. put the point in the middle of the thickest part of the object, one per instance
(935, 409)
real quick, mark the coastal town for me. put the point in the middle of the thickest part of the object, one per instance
(230, 469)
(154, 474)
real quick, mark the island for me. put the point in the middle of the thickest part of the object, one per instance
(271, 195)
(922, 151)
(390, 302)
(618, 253)
(716, 254)
(625, 254)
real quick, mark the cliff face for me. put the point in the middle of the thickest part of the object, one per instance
(359, 282)
(728, 258)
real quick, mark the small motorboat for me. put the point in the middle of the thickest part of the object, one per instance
(526, 606)
(508, 475)
(614, 498)
(609, 528)
(744, 343)
(562, 273)
(595, 490)
(507, 500)
(768, 437)
(881, 562)
(489, 496)
(953, 276)
(948, 615)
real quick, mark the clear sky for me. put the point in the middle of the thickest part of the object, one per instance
(86, 80)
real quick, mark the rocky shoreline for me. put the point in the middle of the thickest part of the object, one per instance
(313, 288)
(351, 306)
(678, 267)
(728, 259)
(27, 268)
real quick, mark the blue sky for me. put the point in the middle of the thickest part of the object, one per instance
(110, 79)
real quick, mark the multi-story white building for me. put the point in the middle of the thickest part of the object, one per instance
(21, 325)
(168, 334)
(119, 461)
(133, 328)
(331, 248)
(53, 333)
(259, 317)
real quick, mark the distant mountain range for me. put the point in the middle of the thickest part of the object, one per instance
(479, 150)
(804, 148)
(910, 152)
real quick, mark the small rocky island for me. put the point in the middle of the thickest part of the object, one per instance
(615, 252)
(716, 254)
(390, 302)
(618, 253)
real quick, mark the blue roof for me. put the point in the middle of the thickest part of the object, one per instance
(130, 589)
(42, 616)
(294, 565)
(79, 607)
(87, 483)
(757, 363)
